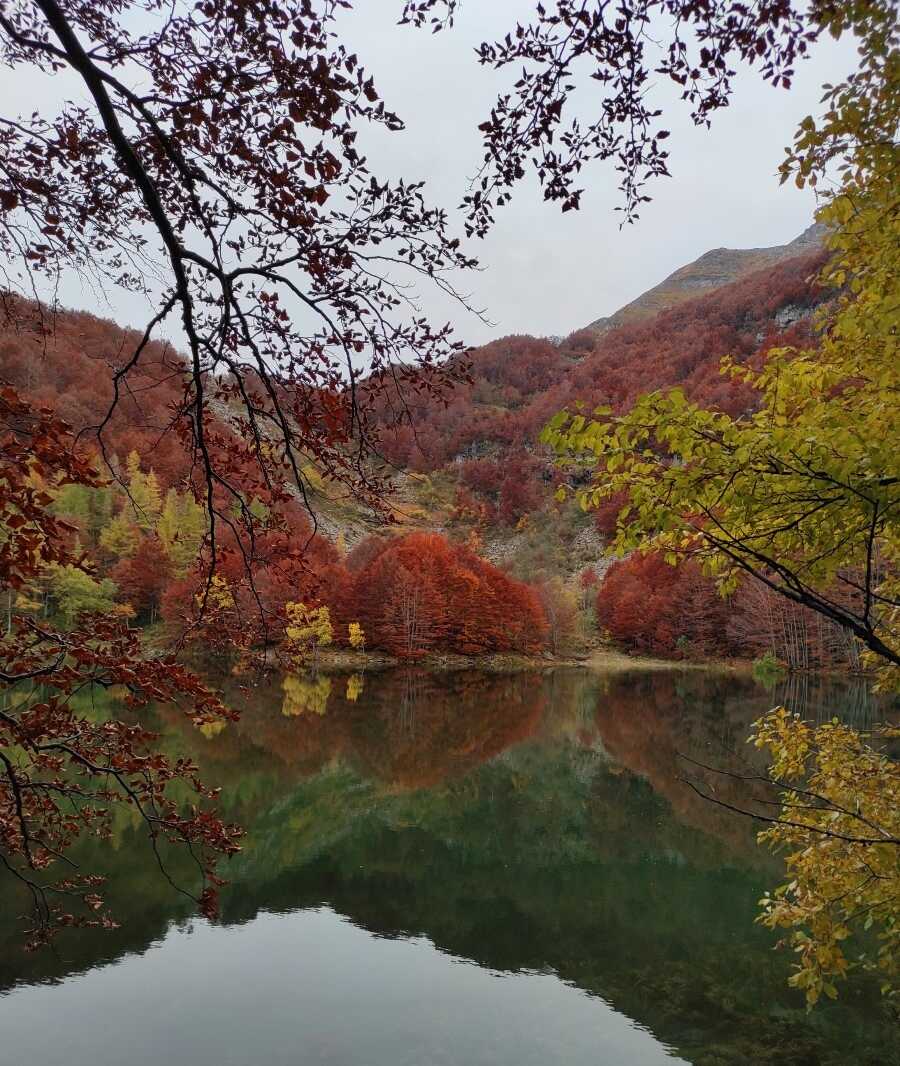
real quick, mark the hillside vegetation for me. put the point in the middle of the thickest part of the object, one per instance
(466, 469)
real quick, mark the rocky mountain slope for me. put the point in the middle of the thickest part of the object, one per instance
(712, 270)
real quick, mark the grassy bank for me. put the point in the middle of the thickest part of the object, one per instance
(346, 659)
(610, 660)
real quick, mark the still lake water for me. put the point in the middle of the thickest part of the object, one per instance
(455, 870)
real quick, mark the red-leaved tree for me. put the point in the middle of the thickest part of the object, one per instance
(649, 606)
(421, 593)
(62, 772)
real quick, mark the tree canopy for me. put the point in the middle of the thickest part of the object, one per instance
(803, 495)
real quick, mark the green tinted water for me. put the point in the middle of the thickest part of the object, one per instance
(458, 869)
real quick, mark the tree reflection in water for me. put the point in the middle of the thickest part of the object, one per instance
(526, 822)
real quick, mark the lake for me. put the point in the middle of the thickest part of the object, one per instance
(452, 870)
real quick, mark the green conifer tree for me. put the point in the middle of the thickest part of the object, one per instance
(120, 537)
(144, 492)
(152, 498)
(181, 528)
(91, 507)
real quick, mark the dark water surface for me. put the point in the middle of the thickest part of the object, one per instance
(463, 870)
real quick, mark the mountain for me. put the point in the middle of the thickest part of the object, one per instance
(517, 383)
(468, 463)
(712, 270)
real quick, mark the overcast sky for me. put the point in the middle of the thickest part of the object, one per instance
(545, 272)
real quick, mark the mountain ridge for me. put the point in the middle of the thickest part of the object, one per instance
(710, 271)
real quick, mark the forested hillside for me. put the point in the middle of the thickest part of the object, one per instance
(519, 382)
(466, 466)
(143, 527)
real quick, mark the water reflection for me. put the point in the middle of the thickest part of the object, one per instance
(534, 826)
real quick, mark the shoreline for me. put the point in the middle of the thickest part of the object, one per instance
(611, 660)
(599, 660)
(441, 662)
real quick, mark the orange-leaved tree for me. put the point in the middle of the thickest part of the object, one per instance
(421, 593)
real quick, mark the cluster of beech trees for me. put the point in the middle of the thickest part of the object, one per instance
(411, 595)
(421, 593)
(414, 594)
(648, 606)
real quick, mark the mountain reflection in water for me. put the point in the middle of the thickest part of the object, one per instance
(459, 868)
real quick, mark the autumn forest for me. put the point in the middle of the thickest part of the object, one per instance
(311, 608)
(472, 466)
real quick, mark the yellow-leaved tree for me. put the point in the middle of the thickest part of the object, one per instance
(840, 828)
(182, 527)
(308, 630)
(144, 495)
(356, 635)
(803, 494)
(120, 537)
